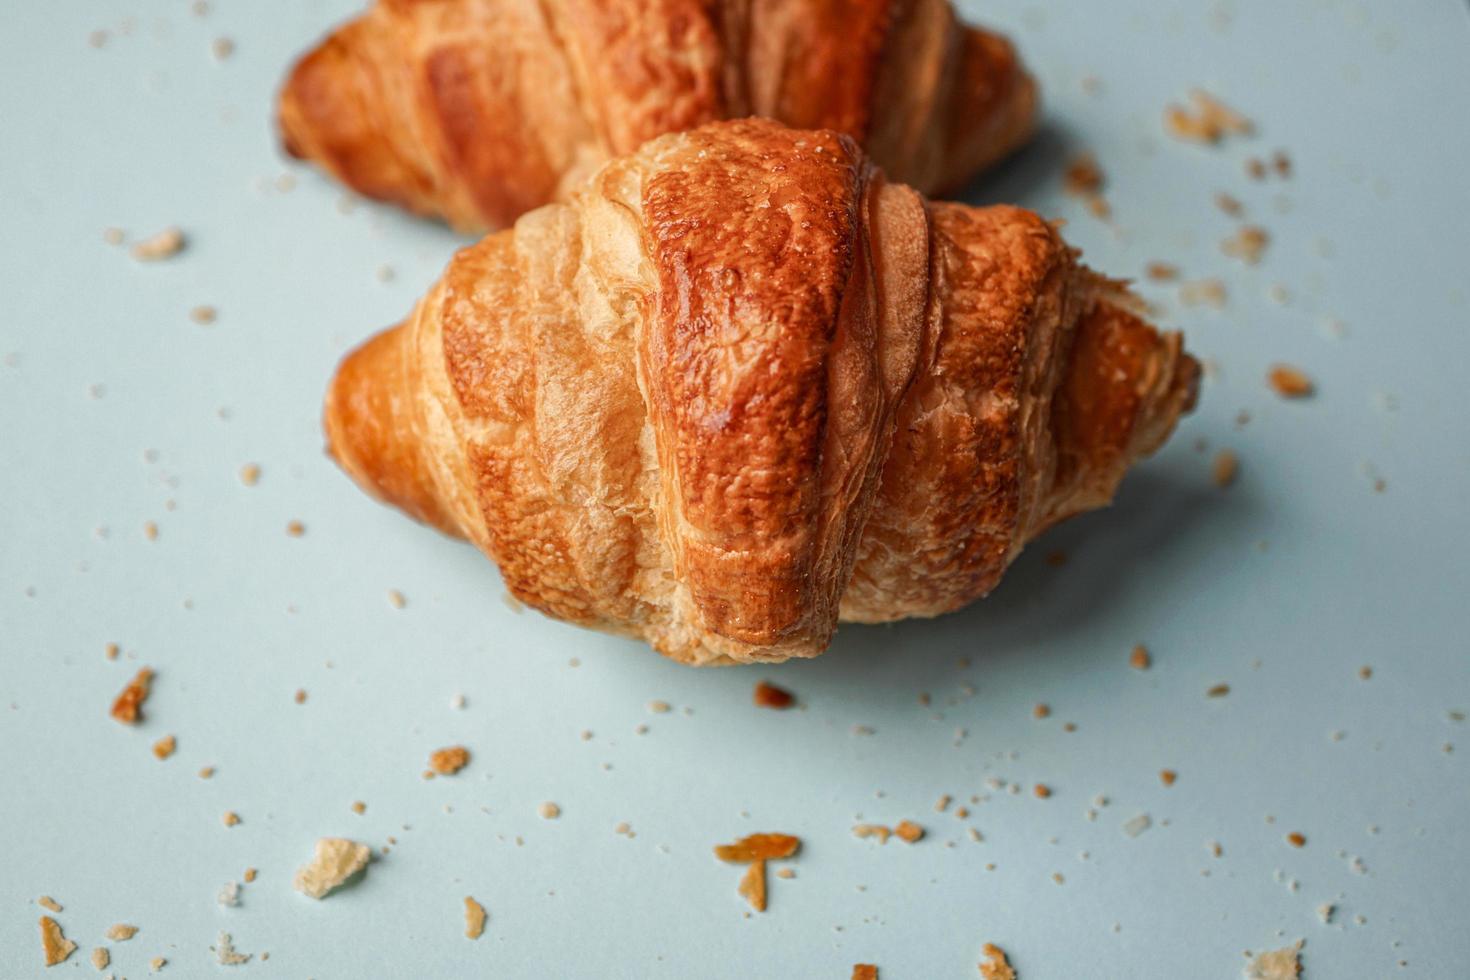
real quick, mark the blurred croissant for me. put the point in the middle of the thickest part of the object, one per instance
(742, 386)
(480, 110)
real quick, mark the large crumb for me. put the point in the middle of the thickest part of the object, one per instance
(166, 244)
(758, 847)
(1296, 840)
(230, 818)
(908, 831)
(996, 965)
(1209, 121)
(336, 860)
(55, 947)
(768, 695)
(474, 918)
(1279, 964)
(864, 971)
(225, 953)
(128, 708)
(447, 762)
(164, 747)
(753, 885)
(1290, 382)
(157, 963)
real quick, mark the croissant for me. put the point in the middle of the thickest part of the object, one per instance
(480, 110)
(741, 386)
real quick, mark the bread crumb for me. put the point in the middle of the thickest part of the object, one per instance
(49, 903)
(1041, 711)
(1296, 840)
(164, 245)
(1137, 824)
(1168, 776)
(474, 918)
(203, 315)
(100, 958)
(1280, 964)
(1084, 178)
(865, 830)
(787, 873)
(548, 811)
(111, 651)
(157, 963)
(768, 695)
(150, 530)
(221, 48)
(128, 708)
(1247, 244)
(396, 599)
(295, 528)
(1325, 912)
(300, 696)
(942, 804)
(1289, 382)
(659, 707)
(864, 971)
(207, 772)
(1365, 672)
(1041, 790)
(1139, 659)
(228, 895)
(1210, 121)
(447, 762)
(336, 860)
(225, 954)
(1161, 271)
(1218, 691)
(757, 847)
(1224, 469)
(164, 747)
(358, 806)
(250, 474)
(753, 885)
(997, 966)
(908, 831)
(55, 947)
(1203, 292)
(113, 236)
(1229, 205)
(250, 875)
(231, 818)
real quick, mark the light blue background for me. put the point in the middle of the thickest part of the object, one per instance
(1281, 586)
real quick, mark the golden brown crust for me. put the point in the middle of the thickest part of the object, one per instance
(742, 384)
(479, 110)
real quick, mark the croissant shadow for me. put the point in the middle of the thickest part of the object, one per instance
(1023, 176)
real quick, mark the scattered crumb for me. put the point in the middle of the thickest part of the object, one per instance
(1247, 244)
(1325, 912)
(549, 811)
(996, 966)
(1161, 272)
(1296, 840)
(908, 831)
(1365, 672)
(101, 958)
(1168, 776)
(1280, 964)
(942, 804)
(447, 762)
(222, 48)
(150, 530)
(224, 951)
(396, 599)
(250, 875)
(203, 315)
(865, 830)
(228, 895)
(164, 245)
(756, 847)
(358, 806)
(1041, 711)
(55, 947)
(753, 885)
(474, 918)
(659, 707)
(457, 702)
(1136, 825)
(1085, 179)
(207, 772)
(787, 873)
(1289, 382)
(157, 963)
(336, 859)
(231, 818)
(300, 696)
(1139, 659)
(128, 708)
(164, 747)
(1255, 169)
(113, 236)
(1209, 122)
(1218, 691)
(49, 903)
(250, 474)
(1229, 205)
(768, 695)
(1224, 469)
(295, 528)
(864, 971)
(111, 651)
(1203, 292)
(1041, 790)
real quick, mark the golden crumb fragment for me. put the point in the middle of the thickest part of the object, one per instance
(1161, 271)
(659, 707)
(157, 963)
(1225, 468)
(121, 933)
(111, 651)
(49, 903)
(787, 873)
(864, 971)
(996, 965)
(1218, 691)
(447, 762)
(150, 530)
(101, 958)
(336, 860)
(164, 747)
(1041, 790)
(295, 528)
(396, 599)
(1289, 382)
(1208, 121)
(166, 244)
(1168, 777)
(753, 885)
(942, 804)
(250, 474)
(55, 947)
(768, 695)
(250, 875)
(1041, 711)
(1203, 292)
(758, 847)
(359, 807)
(1139, 659)
(1247, 244)
(866, 830)
(548, 811)
(300, 696)
(230, 818)
(207, 772)
(1296, 840)
(1279, 964)
(908, 831)
(203, 315)
(474, 918)
(128, 708)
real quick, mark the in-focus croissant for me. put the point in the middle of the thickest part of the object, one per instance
(480, 110)
(742, 386)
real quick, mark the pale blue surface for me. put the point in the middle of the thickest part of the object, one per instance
(1282, 586)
